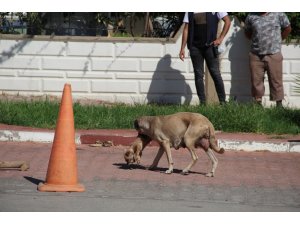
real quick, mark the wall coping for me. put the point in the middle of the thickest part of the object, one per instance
(90, 38)
(107, 39)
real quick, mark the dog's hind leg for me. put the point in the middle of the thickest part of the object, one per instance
(190, 139)
(157, 158)
(194, 156)
(214, 161)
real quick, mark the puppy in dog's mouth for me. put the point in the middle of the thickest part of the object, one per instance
(134, 153)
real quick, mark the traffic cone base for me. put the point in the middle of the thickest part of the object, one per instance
(44, 187)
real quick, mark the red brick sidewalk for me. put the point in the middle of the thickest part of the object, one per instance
(260, 169)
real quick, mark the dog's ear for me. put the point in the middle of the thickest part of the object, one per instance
(144, 124)
(136, 124)
(126, 153)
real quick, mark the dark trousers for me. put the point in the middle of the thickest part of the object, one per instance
(198, 55)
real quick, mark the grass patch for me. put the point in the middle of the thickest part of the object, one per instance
(232, 117)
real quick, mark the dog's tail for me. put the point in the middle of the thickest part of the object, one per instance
(213, 141)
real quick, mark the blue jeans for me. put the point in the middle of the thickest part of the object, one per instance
(198, 55)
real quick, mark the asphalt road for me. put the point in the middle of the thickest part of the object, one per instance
(127, 196)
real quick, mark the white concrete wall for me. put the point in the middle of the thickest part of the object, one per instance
(126, 70)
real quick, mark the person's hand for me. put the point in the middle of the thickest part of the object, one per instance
(182, 54)
(218, 41)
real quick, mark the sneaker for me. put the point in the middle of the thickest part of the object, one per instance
(223, 102)
(258, 101)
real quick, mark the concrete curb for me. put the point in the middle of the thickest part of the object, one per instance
(127, 139)
(33, 136)
(260, 146)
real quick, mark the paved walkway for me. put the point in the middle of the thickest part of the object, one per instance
(244, 181)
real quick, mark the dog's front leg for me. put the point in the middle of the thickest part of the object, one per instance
(166, 146)
(157, 158)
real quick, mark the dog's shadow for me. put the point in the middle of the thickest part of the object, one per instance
(125, 166)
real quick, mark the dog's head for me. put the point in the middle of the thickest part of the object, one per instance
(134, 153)
(130, 157)
(142, 125)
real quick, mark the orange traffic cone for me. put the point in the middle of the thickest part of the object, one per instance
(62, 167)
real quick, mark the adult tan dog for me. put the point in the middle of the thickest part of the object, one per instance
(184, 129)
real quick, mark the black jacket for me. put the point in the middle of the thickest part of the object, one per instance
(212, 21)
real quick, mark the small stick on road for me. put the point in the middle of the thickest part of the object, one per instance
(21, 165)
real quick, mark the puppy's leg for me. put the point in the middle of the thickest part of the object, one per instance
(214, 161)
(157, 158)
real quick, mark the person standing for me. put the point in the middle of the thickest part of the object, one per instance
(266, 32)
(200, 36)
